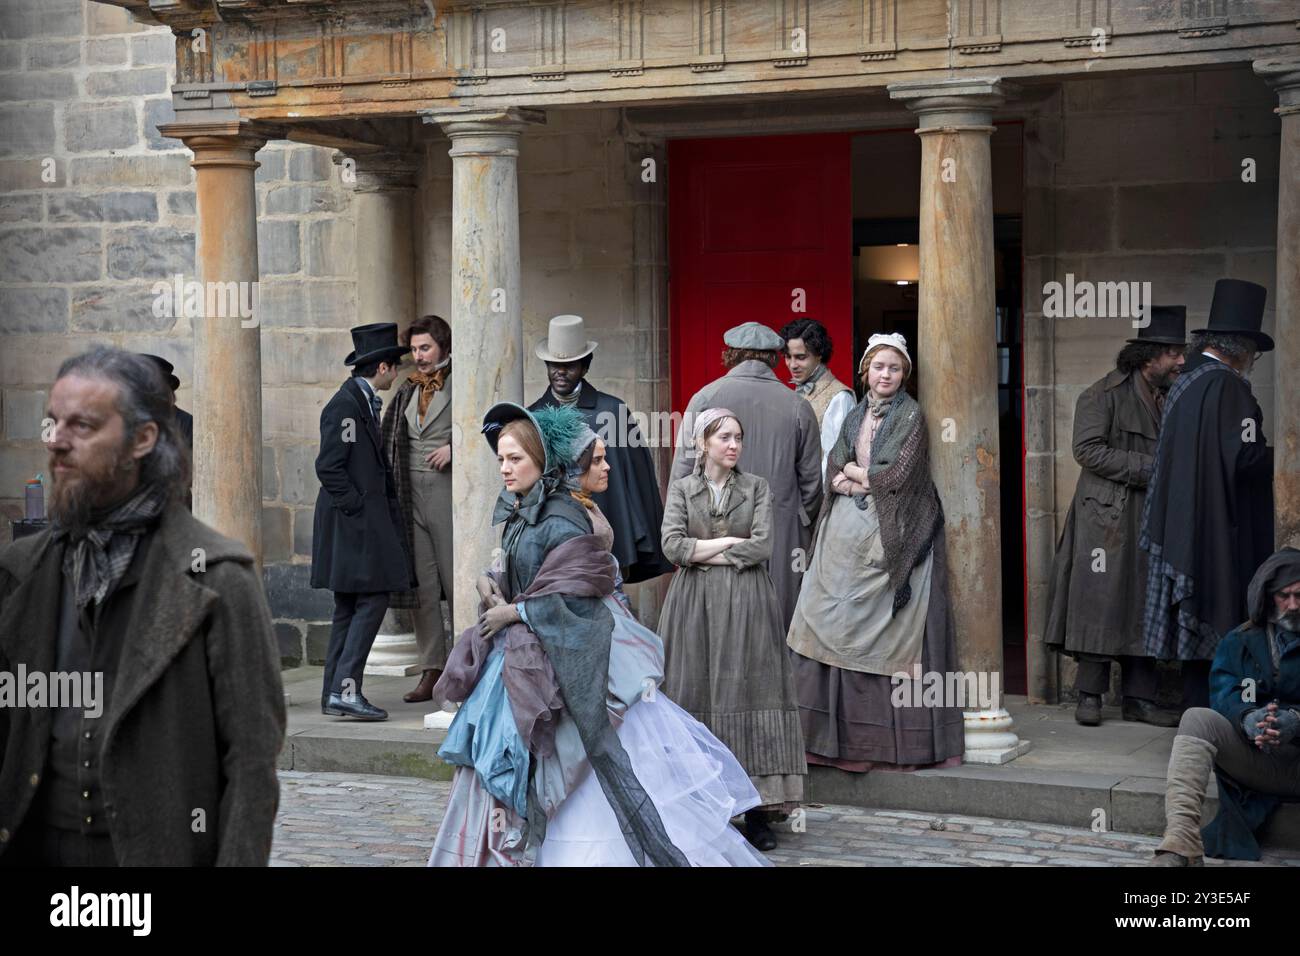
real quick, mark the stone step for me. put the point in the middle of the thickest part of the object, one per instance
(1073, 776)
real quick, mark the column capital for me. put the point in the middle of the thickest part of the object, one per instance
(964, 103)
(1283, 76)
(384, 171)
(484, 131)
(224, 142)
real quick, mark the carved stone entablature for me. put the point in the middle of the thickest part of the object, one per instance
(1203, 18)
(1092, 24)
(879, 30)
(311, 59)
(977, 25)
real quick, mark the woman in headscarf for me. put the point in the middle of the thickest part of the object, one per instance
(535, 718)
(721, 621)
(873, 618)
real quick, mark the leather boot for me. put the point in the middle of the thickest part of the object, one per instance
(757, 832)
(423, 690)
(1088, 712)
(1190, 763)
(1135, 708)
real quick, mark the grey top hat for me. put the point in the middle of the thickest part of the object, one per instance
(566, 340)
(753, 335)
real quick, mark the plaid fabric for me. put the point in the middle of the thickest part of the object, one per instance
(1170, 631)
(392, 434)
(97, 561)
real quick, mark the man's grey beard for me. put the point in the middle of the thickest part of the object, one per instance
(73, 505)
(1290, 621)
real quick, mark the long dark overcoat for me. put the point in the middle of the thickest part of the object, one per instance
(196, 716)
(1099, 574)
(358, 539)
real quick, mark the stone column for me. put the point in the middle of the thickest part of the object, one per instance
(958, 356)
(384, 187)
(384, 184)
(486, 320)
(1284, 76)
(227, 345)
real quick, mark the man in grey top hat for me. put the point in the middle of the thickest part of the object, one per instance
(631, 504)
(1099, 576)
(782, 444)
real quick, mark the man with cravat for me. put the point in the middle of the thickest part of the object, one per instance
(359, 546)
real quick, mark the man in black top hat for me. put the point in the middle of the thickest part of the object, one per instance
(184, 420)
(1098, 586)
(358, 547)
(1208, 521)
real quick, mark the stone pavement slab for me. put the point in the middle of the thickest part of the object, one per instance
(346, 819)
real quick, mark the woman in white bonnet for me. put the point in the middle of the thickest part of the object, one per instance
(724, 636)
(873, 601)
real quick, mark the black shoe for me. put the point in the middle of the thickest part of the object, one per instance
(326, 709)
(758, 833)
(1088, 713)
(1135, 708)
(358, 708)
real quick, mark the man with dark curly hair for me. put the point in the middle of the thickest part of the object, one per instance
(807, 356)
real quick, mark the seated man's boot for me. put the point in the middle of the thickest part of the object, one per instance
(1170, 858)
(1190, 763)
(423, 690)
(1088, 712)
(1135, 708)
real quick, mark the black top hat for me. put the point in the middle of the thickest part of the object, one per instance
(1167, 326)
(167, 368)
(1238, 309)
(375, 343)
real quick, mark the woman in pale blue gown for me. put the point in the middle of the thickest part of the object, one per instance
(661, 789)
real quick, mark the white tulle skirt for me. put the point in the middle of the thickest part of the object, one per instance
(693, 780)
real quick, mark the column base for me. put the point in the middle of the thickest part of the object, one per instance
(990, 739)
(439, 719)
(393, 655)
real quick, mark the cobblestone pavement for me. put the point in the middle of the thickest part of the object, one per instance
(345, 819)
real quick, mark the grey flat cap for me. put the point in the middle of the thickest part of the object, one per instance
(753, 335)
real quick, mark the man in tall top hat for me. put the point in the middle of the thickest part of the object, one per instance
(1098, 587)
(184, 420)
(358, 547)
(1208, 520)
(632, 503)
(782, 444)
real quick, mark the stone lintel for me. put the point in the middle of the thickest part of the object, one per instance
(384, 171)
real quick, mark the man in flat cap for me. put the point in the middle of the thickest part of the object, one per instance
(1250, 734)
(1208, 518)
(1099, 577)
(782, 444)
(631, 503)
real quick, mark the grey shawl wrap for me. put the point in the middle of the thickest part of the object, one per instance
(899, 476)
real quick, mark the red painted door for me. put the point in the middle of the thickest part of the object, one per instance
(751, 222)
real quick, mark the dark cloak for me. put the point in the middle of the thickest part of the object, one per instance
(632, 504)
(1208, 519)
